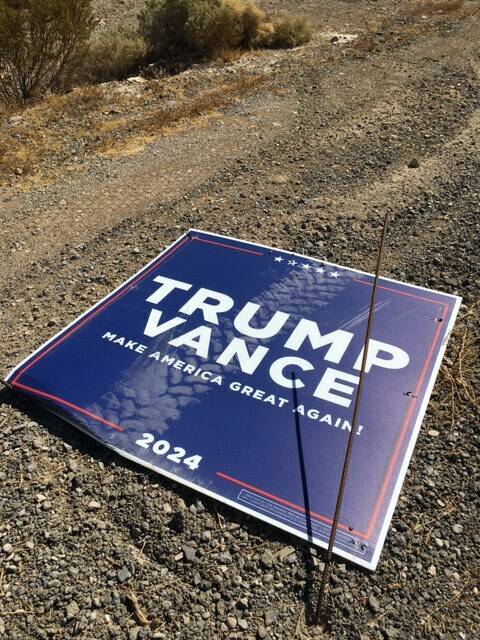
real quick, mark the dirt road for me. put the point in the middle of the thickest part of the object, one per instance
(309, 162)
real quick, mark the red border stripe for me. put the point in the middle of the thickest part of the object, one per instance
(287, 503)
(49, 396)
(404, 427)
(400, 293)
(227, 246)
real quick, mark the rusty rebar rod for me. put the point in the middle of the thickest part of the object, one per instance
(348, 453)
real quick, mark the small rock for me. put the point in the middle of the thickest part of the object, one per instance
(19, 171)
(7, 548)
(231, 622)
(206, 536)
(280, 178)
(267, 559)
(167, 509)
(243, 624)
(72, 609)
(413, 164)
(270, 616)
(433, 433)
(432, 570)
(93, 505)
(285, 553)
(189, 553)
(134, 633)
(123, 575)
(261, 632)
(373, 603)
(457, 528)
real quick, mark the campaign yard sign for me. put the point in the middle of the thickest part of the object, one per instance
(232, 368)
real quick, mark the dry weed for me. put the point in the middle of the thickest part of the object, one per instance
(156, 120)
(459, 375)
(88, 121)
(432, 7)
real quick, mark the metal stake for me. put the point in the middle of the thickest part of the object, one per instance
(348, 452)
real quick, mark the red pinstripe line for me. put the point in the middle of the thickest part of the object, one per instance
(400, 293)
(312, 514)
(48, 396)
(106, 304)
(227, 246)
(405, 424)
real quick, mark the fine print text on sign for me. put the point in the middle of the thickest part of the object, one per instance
(232, 368)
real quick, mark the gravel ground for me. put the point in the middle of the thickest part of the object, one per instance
(93, 547)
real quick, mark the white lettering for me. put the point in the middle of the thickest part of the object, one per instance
(398, 360)
(242, 322)
(338, 340)
(277, 368)
(154, 329)
(197, 339)
(329, 383)
(168, 285)
(238, 348)
(210, 310)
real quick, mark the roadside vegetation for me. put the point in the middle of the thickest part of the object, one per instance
(42, 45)
(205, 29)
(52, 45)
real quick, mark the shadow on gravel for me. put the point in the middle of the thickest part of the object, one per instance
(308, 573)
(313, 574)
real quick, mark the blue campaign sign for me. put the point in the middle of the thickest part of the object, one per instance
(232, 368)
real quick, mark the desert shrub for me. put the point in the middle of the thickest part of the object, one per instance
(42, 42)
(201, 29)
(114, 55)
(291, 31)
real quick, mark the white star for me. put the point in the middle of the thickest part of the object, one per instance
(278, 259)
(306, 266)
(335, 274)
(292, 263)
(320, 270)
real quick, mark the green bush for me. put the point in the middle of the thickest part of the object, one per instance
(42, 43)
(114, 55)
(201, 29)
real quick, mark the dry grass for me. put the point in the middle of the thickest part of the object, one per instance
(433, 7)
(459, 375)
(135, 132)
(61, 131)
